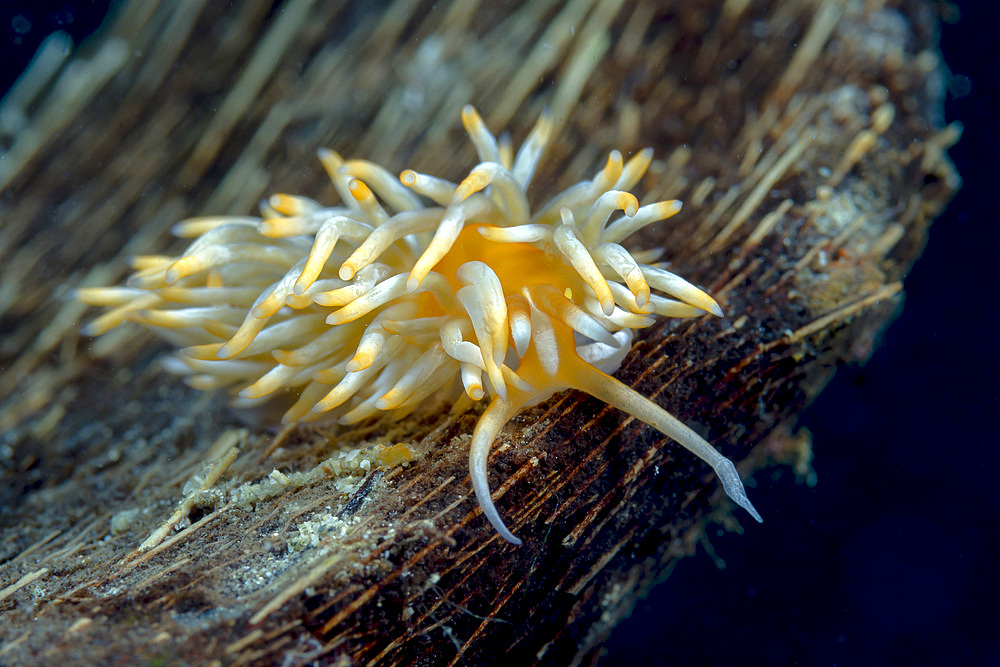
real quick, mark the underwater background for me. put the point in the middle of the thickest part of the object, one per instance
(890, 557)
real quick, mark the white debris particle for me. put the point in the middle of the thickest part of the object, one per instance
(312, 533)
(122, 521)
(279, 477)
(346, 469)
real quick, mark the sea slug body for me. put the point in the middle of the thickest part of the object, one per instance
(417, 287)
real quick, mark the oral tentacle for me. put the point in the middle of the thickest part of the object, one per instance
(614, 392)
(487, 429)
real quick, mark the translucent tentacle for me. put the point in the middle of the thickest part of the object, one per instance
(613, 392)
(488, 427)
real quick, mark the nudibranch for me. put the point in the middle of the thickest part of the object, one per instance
(417, 288)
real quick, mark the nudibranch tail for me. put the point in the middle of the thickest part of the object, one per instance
(419, 288)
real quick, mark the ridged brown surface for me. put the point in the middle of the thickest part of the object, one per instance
(805, 140)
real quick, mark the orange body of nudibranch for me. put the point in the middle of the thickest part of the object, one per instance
(361, 310)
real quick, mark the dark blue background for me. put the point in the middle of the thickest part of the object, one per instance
(890, 559)
(23, 26)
